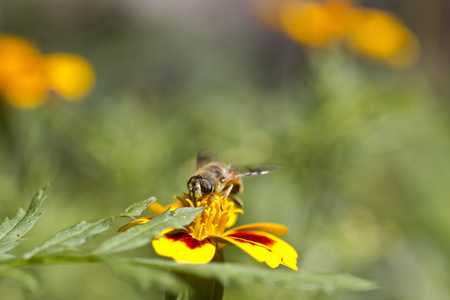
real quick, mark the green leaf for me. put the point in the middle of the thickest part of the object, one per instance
(141, 235)
(136, 209)
(12, 231)
(70, 238)
(5, 256)
(8, 224)
(76, 235)
(227, 272)
(23, 278)
(143, 279)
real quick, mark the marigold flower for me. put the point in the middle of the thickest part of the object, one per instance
(27, 76)
(315, 23)
(21, 73)
(374, 33)
(70, 76)
(382, 36)
(209, 233)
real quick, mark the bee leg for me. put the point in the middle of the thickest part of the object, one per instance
(227, 195)
(237, 201)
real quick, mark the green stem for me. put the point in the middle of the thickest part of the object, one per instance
(202, 288)
(4, 121)
(51, 260)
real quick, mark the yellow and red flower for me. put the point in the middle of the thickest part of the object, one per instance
(209, 233)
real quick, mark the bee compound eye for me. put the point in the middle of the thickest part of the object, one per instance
(206, 186)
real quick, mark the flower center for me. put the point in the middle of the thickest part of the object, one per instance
(218, 215)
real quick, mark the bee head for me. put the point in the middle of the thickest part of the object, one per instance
(199, 187)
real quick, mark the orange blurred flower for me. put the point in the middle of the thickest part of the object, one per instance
(314, 23)
(382, 36)
(373, 33)
(27, 76)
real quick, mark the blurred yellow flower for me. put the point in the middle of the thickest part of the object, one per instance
(315, 23)
(21, 69)
(373, 33)
(382, 36)
(69, 75)
(27, 76)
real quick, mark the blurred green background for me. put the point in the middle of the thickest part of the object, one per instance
(364, 147)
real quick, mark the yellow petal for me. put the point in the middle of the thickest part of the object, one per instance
(232, 218)
(183, 248)
(70, 76)
(159, 209)
(264, 247)
(135, 222)
(275, 229)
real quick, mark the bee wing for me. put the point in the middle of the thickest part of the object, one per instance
(206, 156)
(253, 169)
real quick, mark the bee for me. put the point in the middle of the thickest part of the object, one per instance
(216, 178)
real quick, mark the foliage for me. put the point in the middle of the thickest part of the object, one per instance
(62, 247)
(363, 147)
